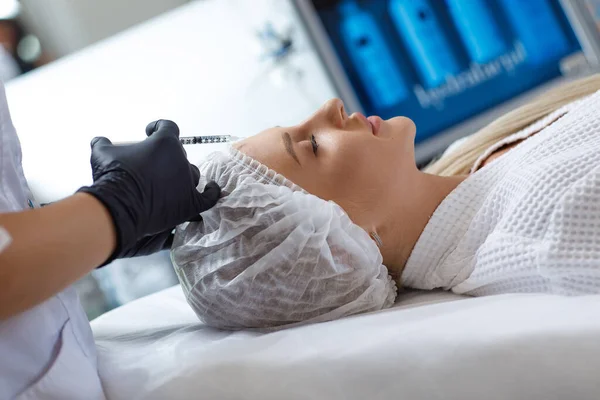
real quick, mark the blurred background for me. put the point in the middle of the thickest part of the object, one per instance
(37, 32)
(239, 66)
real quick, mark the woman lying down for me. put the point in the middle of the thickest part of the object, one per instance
(324, 219)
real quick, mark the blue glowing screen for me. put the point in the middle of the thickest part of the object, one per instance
(441, 61)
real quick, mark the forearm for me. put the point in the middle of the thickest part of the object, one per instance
(51, 248)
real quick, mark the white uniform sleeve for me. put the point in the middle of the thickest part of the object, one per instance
(14, 192)
(5, 239)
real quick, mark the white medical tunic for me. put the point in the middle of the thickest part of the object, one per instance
(527, 222)
(48, 351)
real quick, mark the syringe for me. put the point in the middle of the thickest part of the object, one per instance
(187, 140)
(208, 139)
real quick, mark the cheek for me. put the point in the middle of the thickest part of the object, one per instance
(353, 172)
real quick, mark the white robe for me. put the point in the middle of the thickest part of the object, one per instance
(527, 222)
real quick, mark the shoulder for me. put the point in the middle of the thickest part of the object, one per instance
(584, 110)
(576, 213)
(570, 252)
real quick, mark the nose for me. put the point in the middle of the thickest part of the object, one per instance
(335, 112)
(330, 113)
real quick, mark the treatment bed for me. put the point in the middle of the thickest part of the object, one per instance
(434, 345)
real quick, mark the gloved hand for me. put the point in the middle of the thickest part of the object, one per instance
(148, 189)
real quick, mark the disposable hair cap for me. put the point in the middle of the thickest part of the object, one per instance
(269, 254)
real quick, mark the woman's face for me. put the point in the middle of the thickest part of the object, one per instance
(352, 160)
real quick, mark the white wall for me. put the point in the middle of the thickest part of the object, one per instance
(65, 26)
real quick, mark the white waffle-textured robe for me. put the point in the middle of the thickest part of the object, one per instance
(527, 222)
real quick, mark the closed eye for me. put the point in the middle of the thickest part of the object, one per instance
(314, 143)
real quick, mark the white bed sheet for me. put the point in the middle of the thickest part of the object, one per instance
(429, 346)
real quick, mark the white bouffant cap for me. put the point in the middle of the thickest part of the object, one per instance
(269, 254)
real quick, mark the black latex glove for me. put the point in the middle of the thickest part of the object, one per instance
(148, 188)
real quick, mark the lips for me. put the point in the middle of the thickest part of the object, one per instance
(373, 122)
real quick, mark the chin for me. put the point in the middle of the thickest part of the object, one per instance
(403, 126)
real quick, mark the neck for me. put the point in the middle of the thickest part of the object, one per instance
(410, 213)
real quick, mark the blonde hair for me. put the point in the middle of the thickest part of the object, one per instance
(460, 161)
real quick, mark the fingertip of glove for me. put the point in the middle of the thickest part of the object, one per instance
(162, 125)
(213, 189)
(99, 140)
(151, 127)
(211, 193)
(197, 218)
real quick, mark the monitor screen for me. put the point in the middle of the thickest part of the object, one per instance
(440, 62)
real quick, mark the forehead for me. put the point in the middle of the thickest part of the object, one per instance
(268, 148)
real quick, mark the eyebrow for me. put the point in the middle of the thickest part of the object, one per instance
(287, 143)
